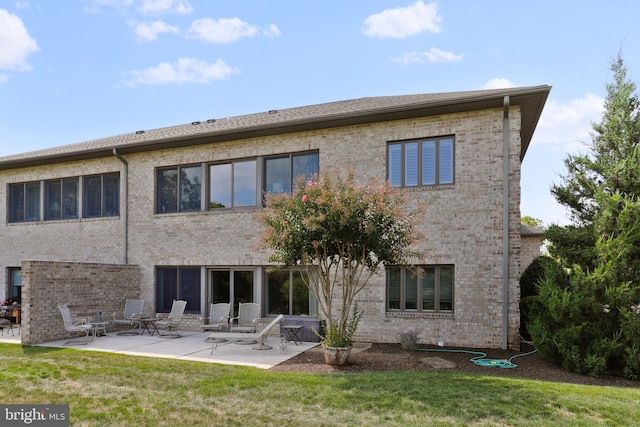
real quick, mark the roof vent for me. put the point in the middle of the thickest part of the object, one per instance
(139, 132)
(273, 111)
(195, 123)
(211, 120)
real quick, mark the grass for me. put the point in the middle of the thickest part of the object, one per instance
(105, 389)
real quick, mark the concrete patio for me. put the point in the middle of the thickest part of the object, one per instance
(191, 346)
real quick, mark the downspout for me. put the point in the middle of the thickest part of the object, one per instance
(125, 203)
(506, 135)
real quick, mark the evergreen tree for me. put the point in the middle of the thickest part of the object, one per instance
(611, 165)
(592, 326)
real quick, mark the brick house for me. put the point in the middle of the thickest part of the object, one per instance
(173, 213)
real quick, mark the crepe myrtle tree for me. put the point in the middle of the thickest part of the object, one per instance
(340, 234)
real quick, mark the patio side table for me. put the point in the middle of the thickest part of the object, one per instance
(292, 332)
(99, 327)
(6, 324)
(149, 325)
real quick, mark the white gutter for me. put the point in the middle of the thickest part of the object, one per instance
(506, 135)
(125, 207)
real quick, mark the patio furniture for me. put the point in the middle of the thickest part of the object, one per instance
(99, 328)
(247, 319)
(75, 325)
(149, 325)
(292, 333)
(171, 322)
(6, 323)
(260, 337)
(131, 317)
(218, 317)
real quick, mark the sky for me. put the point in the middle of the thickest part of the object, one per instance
(78, 70)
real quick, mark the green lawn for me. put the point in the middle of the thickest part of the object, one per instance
(115, 390)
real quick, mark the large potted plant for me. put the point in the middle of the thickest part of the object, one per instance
(339, 234)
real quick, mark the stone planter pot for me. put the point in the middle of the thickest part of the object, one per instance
(338, 356)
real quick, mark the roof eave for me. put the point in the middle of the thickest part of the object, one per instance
(530, 99)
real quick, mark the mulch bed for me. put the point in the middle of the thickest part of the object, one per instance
(391, 357)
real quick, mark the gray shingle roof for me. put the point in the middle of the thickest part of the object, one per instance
(341, 113)
(529, 230)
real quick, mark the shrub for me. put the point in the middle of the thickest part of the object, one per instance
(409, 339)
(541, 267)
(590, 325)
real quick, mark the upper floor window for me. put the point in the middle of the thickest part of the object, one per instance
(101, 195)
(428, 288)
(237, 183)
(61, 198)
(280, 173)
(233, 184)
(424, 162)
(179, 189)
(24, 202)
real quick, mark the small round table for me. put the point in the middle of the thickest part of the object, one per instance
(99, 327)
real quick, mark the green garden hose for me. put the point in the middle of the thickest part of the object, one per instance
(480, 358)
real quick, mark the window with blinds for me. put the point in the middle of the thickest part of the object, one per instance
(425, 288)
(418, 163)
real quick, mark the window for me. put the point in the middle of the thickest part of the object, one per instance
(24, 202)
(425, 289)
(280, 173)
(286, 293)
(425, 162)
(233, 184)
(61, 199)
(179, 189)
(178, 284)
(101, 195)
(233, 286)
(15, 283)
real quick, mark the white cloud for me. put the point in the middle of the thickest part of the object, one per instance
(145, 7)
(150, 30)
(155, 7)
(404, 21)
(15, 43)
(498, 83)
(568, 125)
(186, 70)
(273, 31)
(227, 30)
(433, 55)
(112, 3)
(95, 6)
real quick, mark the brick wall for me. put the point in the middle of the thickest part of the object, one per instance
(530, 249)
(85, 288)
(462, 224)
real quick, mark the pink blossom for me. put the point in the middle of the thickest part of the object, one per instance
(305, 199)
